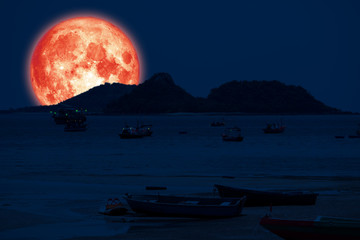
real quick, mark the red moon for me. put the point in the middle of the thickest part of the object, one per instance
(78, 54)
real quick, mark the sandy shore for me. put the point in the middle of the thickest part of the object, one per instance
(42, 213)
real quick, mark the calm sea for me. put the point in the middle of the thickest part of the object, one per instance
(32, 146)
(53, 182)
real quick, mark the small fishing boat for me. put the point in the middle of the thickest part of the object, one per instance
(130, 132)
(113, 207)
(146, 130)
(274, 128)
(232, 134)
(322, 228)
(217, 124)
(267, 198)
(176, 206)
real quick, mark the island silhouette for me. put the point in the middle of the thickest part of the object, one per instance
(159, 94)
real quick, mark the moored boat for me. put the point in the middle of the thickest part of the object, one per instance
(267, 198)
(232, 134)
(177, 206)
(130, 132)
(217, 124)
(322, 228)
(274, 128)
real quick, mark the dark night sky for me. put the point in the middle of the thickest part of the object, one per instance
(315, 44)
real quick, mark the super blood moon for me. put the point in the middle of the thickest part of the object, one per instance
(78, 54)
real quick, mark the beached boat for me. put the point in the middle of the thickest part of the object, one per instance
(113, 207)
(267, 198)
(322, 228)
(232, 134)
(274, 128)
(176, 206)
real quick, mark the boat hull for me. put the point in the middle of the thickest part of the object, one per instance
(267, 198)
(333, 229)
(186, 206)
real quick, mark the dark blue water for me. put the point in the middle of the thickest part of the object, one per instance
(33, 146)
(65, 177)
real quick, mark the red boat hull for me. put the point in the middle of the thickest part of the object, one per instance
(311, 230)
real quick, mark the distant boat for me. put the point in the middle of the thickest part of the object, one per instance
(146, 130)
(232, 134)
(176, 206)
(217, 124)
(322, 228)
(267, 198)
(274, 128)
(130, 132)
(63, 115)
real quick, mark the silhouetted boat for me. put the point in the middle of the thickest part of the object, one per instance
(322, 228)
(267, 198)
(217, 124)
(175, 206)
(232, 134)
(340, 137)
(146, 130)
(113, 207)
(130, 132)
(274, 128)
(61, 115)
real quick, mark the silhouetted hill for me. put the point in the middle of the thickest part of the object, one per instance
(264, 97)
(96, 99)
(159, 94)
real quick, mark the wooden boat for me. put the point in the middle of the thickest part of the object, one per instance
(232, 134)
(176, 206)
(267, 198)
(322, 228)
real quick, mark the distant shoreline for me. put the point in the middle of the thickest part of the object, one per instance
(46, 109)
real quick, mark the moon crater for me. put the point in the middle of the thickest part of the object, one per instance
(78, 54)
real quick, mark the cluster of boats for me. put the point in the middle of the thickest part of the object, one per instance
(234, 134)
(73, 119)
(231, 202)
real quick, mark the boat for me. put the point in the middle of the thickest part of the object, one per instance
(322, 228)
(63, 115)
(274, 128)
(146, 130)
(217, 124)
(179, 206)
(113, 207)
(232, 134)
(267, 198)
(130, 133)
